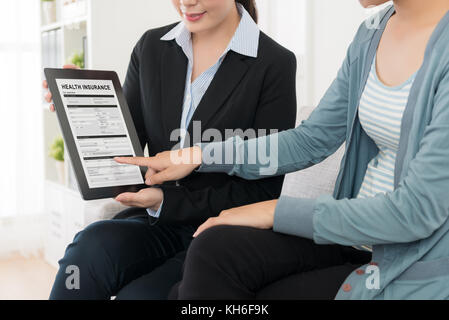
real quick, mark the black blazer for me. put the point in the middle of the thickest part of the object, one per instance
(246, 93)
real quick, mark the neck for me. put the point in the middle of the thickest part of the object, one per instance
(222, 33)
(419, 12)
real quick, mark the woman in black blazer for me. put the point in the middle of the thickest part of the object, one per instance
(215, 70)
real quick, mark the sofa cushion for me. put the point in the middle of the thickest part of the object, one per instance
(317, 180)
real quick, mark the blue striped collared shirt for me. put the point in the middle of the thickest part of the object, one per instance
(245, 41)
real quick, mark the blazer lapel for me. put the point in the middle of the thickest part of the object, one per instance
(173, 79)
(225, 81)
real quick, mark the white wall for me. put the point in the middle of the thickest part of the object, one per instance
(119, 24)
(331, 28)
(318, 32)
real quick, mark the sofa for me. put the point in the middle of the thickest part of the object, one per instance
(317, 180)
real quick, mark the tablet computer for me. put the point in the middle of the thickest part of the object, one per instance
(97, 127)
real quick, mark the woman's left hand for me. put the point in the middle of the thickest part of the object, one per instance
(149, 198)
(259, 215)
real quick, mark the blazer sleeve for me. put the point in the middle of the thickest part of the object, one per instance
(276, 110)
(132, 92)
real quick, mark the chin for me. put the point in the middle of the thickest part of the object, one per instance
(193, 28)
(372, 3)
(196, 27)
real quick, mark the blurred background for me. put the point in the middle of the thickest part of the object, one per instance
(40, 207)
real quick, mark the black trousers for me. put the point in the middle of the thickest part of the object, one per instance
(127, 258)
(243, 263)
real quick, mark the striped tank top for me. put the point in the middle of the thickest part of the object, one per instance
(380, 112)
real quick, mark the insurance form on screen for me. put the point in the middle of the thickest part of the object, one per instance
(100, 132)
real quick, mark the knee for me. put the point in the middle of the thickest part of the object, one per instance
(90, 254)
(215, 245)
(212, 262)
(212, 240)
(90, 244)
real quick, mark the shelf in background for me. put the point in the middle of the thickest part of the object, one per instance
(66, 23)
(52, 26)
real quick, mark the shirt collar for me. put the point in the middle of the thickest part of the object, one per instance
(245, 40)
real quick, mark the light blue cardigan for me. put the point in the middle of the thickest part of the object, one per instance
(408, 228)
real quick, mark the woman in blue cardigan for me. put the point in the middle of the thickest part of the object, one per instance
(385, 232)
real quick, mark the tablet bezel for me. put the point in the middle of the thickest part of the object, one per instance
(86, 192)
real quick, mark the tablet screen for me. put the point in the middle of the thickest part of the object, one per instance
(100, 132)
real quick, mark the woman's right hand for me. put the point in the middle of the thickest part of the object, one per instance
(167, 166)
(48, 96)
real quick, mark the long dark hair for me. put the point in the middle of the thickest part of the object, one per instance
(250, 6)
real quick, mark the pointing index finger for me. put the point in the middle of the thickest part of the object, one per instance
(137, 161)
